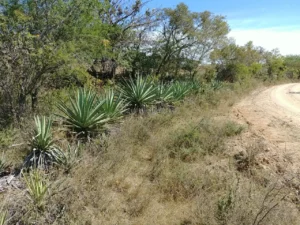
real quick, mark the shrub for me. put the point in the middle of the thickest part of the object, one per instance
(232, 128)
(205, 138)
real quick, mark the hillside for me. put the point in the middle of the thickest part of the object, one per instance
(216, 159)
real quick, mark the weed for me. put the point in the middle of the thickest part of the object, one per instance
(232, 128)
(7, 137)
(225, 204)
(247, 160)
(205, 138)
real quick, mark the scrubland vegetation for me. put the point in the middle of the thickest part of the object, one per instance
(148, 145)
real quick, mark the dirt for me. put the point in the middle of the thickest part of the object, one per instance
(272, 116)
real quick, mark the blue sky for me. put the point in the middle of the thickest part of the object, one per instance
(268, 23)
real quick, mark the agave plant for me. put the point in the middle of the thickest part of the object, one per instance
(84, 115)
(43, 150)
(180, 90)
(138, 93)
(195, 85)
(71, 158)
(164, 93)
(112, 106)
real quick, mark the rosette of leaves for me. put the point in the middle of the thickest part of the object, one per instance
(138, 93)
(43, 150)
(83, 113)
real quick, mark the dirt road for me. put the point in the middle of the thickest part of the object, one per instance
(273, 118)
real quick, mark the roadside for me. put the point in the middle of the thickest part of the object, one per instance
(273, 117)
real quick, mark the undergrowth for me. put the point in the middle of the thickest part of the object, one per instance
(167, 167)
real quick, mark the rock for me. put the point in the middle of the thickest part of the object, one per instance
(10, 182)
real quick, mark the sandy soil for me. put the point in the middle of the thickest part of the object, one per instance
(273, 119)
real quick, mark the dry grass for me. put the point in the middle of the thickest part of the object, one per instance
(164, 168)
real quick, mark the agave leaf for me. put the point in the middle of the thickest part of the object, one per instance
(3, 216)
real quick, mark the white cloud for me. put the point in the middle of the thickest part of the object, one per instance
(286, 40)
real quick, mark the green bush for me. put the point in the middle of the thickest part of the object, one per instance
(205, 138)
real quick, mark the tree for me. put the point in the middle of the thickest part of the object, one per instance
(237, 63)
(127, 25)
(292, 63)
(37, 38)
(187, 35)
(274, 63)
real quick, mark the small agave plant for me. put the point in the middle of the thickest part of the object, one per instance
(37, 188)
(43, 150)
(84, 114)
